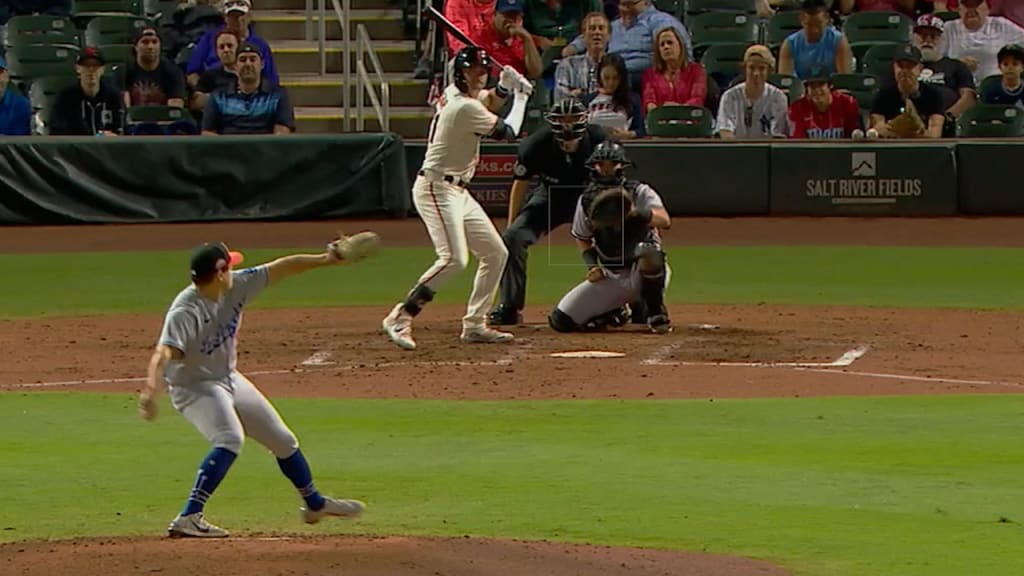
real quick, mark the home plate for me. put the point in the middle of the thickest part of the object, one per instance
(588, 354)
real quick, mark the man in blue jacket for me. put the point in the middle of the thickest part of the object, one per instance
(15, 110)
(236, 18)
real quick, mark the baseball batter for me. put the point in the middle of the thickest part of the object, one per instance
(196, 359)
(623, 253)
(455, 221)
(558, 154)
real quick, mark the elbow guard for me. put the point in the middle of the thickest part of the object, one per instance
(502, 131)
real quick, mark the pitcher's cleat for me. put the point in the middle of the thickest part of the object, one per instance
(333, 507)
(194, 526)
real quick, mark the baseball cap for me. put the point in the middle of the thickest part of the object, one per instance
(248, 48)
(907, 53)
(759, 51)
(1015, 50)
(91, 53)
(818, 74)
(930, 21)
(145, 32)
(508, 6)
(242, 6)
(211, 258)
(813, 5)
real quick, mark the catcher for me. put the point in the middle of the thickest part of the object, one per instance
(908, 108)
(616, 228)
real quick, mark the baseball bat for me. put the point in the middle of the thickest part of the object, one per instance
(446, 24)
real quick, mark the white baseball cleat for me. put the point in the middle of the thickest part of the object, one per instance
(485, 335)
(398, 326)
(333, 507)
(194, 526)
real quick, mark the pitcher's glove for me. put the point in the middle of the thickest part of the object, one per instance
(354, 248)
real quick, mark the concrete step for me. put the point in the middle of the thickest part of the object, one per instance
(299, 56)
(301, 5)
(291, 24)
(407, 121)
(316, 90)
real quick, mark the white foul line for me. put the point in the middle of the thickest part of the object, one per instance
(936, 379)
(848, 358)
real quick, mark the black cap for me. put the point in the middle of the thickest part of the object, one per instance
(818, 74)
(1015, 50)
(91, 53)
(146, 32)
(813, 5)
(211, 258)
(249, 47)
(907, 53)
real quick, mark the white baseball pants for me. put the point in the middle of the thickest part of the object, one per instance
(458, 225)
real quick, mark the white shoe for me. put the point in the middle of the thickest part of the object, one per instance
(333, 507)
(194, 526)
(398, 326)
(485, 335)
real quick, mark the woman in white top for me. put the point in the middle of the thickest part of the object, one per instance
(614, 106)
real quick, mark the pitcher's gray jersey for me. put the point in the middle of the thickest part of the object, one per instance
(644, 197)
(206, 331)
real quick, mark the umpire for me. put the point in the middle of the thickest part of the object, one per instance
(557, 153)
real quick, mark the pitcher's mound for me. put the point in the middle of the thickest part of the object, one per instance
(357, 556)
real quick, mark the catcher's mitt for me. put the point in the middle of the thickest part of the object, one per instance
(608, 208)
(355, 247)
(618, 227)
(909, 123)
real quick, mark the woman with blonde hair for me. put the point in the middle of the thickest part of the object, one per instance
(672, 80)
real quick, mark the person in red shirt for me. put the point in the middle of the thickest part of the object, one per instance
(507, 41)
(824, 113)
(904, 6)
(470, 16)
(673, 80)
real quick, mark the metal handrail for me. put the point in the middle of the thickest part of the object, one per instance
(364, 87)
(343, 13)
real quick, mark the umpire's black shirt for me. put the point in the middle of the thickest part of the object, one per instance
(563, 174)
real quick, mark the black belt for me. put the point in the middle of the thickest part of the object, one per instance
(449, 179)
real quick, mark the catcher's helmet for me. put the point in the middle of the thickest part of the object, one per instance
(466, 57)
(608, 151)
(568, 119)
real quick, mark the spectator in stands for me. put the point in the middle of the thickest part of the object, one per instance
(633, 35)
(15, 109)
(951, 77)
(824, 113)
(12, 8)
(222, 77)
(576, 76)
(152, 80)
(754, 109)
(507, 40)
(90, 108)
(614, 106)
(977, 36)
(1010, 91)
(817, 45)
(470, 16)
(908, 97)
(254, 105)
(850, 6)
(555, 22)
(236, 19)
(673, 80)
(1012, 10)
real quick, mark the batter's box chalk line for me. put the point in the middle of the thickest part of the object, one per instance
(658, 358)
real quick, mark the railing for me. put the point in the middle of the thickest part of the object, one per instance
(343, 13)
(364, 87)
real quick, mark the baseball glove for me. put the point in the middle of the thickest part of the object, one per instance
(609, 207)
(356, 247)
(909, 123)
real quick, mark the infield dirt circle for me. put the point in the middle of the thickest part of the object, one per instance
(715, 352)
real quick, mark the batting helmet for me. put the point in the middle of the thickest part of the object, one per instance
(568, 119)
(608, 151)
(466, 57)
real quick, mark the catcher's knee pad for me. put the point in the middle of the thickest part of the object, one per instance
(561, 322)
(650, 260)
(419, 296)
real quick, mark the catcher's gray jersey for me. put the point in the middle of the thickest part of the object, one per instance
(207, 331)
(644, 197)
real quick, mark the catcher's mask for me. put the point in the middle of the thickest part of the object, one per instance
(568, 120)
(464, 59)
(608, 163)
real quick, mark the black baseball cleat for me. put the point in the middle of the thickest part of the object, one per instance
(659, 324)
(504, 316)
(621, 317)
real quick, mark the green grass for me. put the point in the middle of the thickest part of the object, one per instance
(68, 284)
(838, 486)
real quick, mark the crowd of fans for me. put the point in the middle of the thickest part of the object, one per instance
(627, 58)
(204, 60)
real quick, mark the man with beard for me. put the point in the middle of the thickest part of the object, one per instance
(952, 77)
(254, 106)
(557, 153)
(1010, 91)
(91, 107)
(222, 77)
(908, 108)
(152, 80)
(977, 37)
(823, 113)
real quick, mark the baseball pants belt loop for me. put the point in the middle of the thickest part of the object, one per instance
(455, 180)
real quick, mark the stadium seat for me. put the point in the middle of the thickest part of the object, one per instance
(159, 120)
(679, 122)
(82, 11)
(724, 62)
(878, 60)
(26, 62)
(44, 90)
(550, 58)
(41, 30)
(780, 26)
(867, 29)
(989, 82)
(791, 85)
(694, 7)
(715, 28)
(991, 121)
(105, 30)
(863, 87)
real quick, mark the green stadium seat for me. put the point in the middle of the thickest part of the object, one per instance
(701, 6)
(867, 29)
(863, 87)
(878, 60)
(44, 90)
(41, 30)
(991, 121)
(27, 62)
(106, 30)
(780, 26)
(549, 59)
(157, 114)
(724, 62)
(988, 83)
(715, 28)
(791, 85)
(679, 122)
(82, 11)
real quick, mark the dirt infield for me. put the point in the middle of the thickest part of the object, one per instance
(715, 352)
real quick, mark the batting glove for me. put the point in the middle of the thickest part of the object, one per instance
(509, 79)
